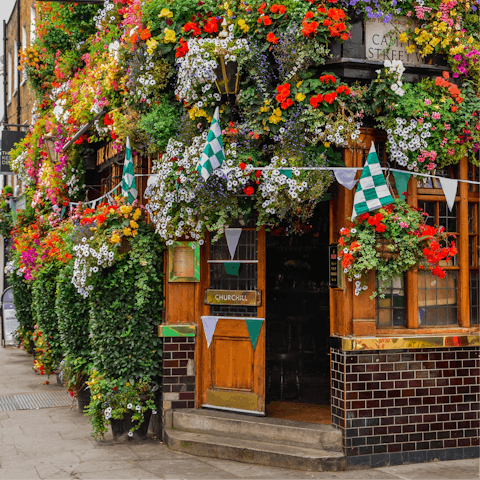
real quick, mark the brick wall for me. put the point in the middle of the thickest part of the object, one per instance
(178, 372)
(406, 406)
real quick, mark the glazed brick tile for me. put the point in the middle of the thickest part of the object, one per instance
(434, 409)
(179, 355)
(170, 347)
(187, 347)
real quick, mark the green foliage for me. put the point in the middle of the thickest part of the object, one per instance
(73, 312)
(161, 123)
(22, 297)
(43, 303)
(126, 304)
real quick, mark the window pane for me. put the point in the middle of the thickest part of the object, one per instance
(446, 218)
(474, 297)
(437, 299)
(391, 309)
(429, 207)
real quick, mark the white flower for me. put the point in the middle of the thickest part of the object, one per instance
(129, 406)
(130, 434)
(138, 408)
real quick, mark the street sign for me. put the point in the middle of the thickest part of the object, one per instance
(9, 317)
(9, 139)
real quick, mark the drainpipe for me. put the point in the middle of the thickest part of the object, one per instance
(18, 73)
(5, 72)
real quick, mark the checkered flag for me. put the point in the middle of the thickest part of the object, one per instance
(213, 155)
(129, 186)
(372, 191)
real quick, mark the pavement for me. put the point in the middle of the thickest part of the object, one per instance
(55, 443)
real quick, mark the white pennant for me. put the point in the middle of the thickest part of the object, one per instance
(233, 236)
(209, 325)
(346, 177)
(449, 186)
(152, 179)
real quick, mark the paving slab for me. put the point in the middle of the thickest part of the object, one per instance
(55, 443)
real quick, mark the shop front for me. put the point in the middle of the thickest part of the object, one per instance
(265, 324)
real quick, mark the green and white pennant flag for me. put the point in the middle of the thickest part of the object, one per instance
(129, 187)
(213, 155)
(372, 191)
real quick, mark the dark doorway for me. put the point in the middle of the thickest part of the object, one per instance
(298, 321)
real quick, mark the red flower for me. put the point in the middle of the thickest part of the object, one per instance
(439, 272)
(343, 89)
(272, 38)
(287, 103)
(308, 28)
(330, 97)
(183, 49)
(265, 19)
(327, 78)
(211, 25)
(336, 14)
(321, 9)
(248, 191)
(145, 35)
(381, 228)
(191, 26)
(243, 166)
(308, 15)
(316, 100)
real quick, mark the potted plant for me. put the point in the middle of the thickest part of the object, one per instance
(126, 406)
(391, 241)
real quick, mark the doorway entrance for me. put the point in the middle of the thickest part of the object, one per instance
(298, 322)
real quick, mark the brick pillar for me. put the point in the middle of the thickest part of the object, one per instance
(178, 373)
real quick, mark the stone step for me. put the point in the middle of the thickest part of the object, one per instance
(261, 429)
(260, 453)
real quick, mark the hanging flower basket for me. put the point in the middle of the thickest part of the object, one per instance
(386, 249)
(391, 241)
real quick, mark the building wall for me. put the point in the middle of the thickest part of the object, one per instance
(19, 99)
(406, 406)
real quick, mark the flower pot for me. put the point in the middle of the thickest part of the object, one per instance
(122, 426)
(83, 395)
(386, 249)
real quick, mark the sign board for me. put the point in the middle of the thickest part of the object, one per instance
(335, 279)
(379, 36)
(9, 317)
(9, 139)
(183, 262)
(233, 297)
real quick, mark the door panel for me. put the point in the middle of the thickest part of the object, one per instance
(231, 375)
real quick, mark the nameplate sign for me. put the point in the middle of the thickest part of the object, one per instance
(382, 43)
(233, 297)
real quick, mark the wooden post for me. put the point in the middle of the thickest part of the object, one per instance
(412, 276)
(463, 260)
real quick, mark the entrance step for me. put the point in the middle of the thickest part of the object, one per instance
(260, 453)
(264, 441)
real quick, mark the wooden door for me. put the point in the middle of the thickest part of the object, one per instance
(230, 372)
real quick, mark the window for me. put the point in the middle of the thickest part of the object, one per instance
(24, 46)
(247, 276)
(391, 311)
(10, 77)
(15, 68)
(437, 299)
(33, 24)
(473, 261)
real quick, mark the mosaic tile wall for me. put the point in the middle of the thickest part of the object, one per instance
(402, 406)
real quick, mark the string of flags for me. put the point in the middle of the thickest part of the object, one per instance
(254, 325)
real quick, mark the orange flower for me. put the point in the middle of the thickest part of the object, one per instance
(308, 16)
(336, 14)
(321, 9)
(145, 35)
(343, 89)
(265, 19)
(344, 36)
(134, 39)
(287, 103)
(272, 38)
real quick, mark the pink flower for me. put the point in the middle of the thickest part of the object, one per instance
(436, 116)
(446, 126)
(428, 101)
